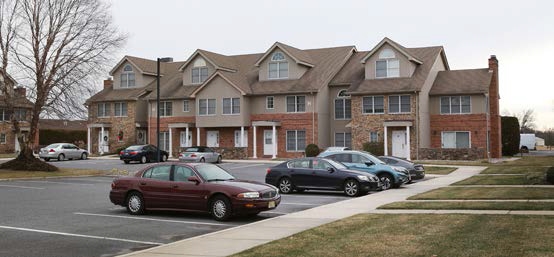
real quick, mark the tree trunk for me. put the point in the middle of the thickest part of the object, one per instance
(26, 159)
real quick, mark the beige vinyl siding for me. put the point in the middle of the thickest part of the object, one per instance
(478, 105)
(187, 72)
(335, 125)
(424, 104)
(141, 80)
(295, 71)
(218, 89)
(407, 68)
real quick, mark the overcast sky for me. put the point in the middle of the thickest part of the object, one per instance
(519, 33)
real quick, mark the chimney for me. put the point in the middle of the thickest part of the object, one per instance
(108, 83)
(166, 59)
(494, 110)
(20, 91)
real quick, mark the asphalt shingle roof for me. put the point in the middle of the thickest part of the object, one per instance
(472, 81)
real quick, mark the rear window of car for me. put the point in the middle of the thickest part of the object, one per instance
(53, 146)
(134, 147)
(192, 150)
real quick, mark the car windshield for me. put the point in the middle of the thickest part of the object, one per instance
(53, 146)
(211, 172)
(191, 149)
(134, 147)
(372, 158)
(337, 165)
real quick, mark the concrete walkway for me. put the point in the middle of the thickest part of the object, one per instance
(238, 239)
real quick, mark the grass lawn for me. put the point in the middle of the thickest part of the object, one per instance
(439, 170)
(410, 205)
(531, 161)
(514, 169)
(7, 174)
(528, 179)
(420, 235)
(485, 193)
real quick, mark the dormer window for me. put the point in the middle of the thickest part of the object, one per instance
(278, 66)
(199, 71)
(387, 66)
(127, 77)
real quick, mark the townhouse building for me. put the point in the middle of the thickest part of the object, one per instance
(273, 104)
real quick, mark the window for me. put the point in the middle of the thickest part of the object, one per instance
(456, 139)
(4, 115)
(373, 104)
(343, 139)
(399, 104)
(127, 77)
(199, 71)
(103, 109)
(373, 136)
(387, 66)
(296, 140)
(183, 139)
(182, 174)
(455, 104)
(278, 66)
(166, 109)
(231, 105)
(296, 103)
(164, 140)
(237, 139)
(269, 104)
(158, 173)
(120, 109)
(186, 107)
(342, 106)
(206, 107)
(20, 114)
(2, 138)
(299, 164)
(321, 164)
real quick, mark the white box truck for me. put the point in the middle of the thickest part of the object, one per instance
(527, 142)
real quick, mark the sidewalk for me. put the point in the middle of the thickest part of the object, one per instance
(238, 239)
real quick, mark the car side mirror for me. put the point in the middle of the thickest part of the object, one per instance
(331, 169)
(194, 179)
(369, 163)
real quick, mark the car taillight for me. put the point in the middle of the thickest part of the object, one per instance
(52, 151)
(134, 152)
(268, 170)
(193, 155)
(113, 185)
(121, 153)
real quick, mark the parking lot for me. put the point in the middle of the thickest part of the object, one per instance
(74, 217)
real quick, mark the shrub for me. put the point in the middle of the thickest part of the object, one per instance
(47, 136)
(550, 175)
(375, 148)
(312, 150)
(510, 136)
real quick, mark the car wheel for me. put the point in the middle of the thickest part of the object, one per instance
(285, 185)
(164, 158)
(351, 188)
(202, 159)
(143, 159)
(387, 180)
(219, 159)
(135, 203)
(61, 157)
(83, 156)
(220, 208)
(126, 162)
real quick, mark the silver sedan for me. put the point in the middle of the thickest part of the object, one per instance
(62, 151)
(200, 154)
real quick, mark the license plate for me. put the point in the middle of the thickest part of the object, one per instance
(271, 204)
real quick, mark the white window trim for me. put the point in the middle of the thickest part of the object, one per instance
(457, 131)
(207, 107)
(387, 70)
(104, 113)
(377, 132)
(121, 108)
(296, 140)
(237, 142)
(279, 62)
(343, 138)
(450, 105)
(188, 105)
(272, 102)
(373, 105)
(163, 106)
(199, 75)
(5, 138)
(295, 104)
(127, 73)
(399, 105)
(343, 108)
(223, 106)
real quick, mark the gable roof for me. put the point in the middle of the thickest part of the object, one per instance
(299, 56)
(144, 66)
(473, 81)
(396, 46)
(57, 124)
(219, 61)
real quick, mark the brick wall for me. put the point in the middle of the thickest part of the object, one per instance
(494, 96)
(126, 125)
(451, 154)
(476, 124)
(7, 129)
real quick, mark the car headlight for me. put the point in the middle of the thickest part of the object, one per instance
(400, 169)
(363, 178)
(249, 195)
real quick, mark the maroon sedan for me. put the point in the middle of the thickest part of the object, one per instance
(198, 187)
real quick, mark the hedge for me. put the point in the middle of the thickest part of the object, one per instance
(510, 136)
(375, 148)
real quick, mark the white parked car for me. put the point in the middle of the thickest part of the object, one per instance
(62, 151)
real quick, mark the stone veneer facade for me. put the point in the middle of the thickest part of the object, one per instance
(126, 124)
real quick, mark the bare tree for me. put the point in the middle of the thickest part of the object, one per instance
(527, 121)
(58, 48)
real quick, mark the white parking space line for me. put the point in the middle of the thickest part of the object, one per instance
(150, 219)
(274, 212)
(22, 187)
(53, 182)
(307, 204)
(78, 235)
(246, 166)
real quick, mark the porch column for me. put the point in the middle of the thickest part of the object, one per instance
(170, 143)
(187, 136)
(255, 145)
(88, 140)
(385, 138)
(101, 140)
(408, 142)
(241, 136)
(274, 142)
(197, 136)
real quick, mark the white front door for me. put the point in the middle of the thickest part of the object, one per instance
(268, 142)
(212, 138)
(183, 139)
(103, 145)
(399, 145)
(141, 137)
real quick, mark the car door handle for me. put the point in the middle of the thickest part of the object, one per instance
(143, 183)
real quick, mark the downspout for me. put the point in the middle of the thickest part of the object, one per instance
(416, 130)
(488, 127)
(313, 118)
